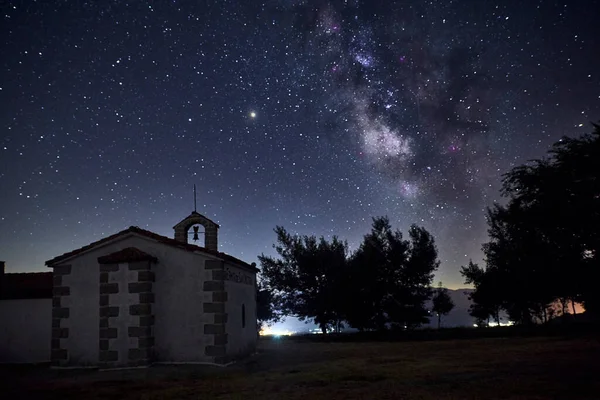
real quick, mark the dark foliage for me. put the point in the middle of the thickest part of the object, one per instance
(266, 310)
(385, 283)
(442, 303)
(305, 281)
(544, 243)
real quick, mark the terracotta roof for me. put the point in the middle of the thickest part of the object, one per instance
(158, 238)
(30, 285)
(130, 254)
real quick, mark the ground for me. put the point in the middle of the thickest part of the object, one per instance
(492, 368)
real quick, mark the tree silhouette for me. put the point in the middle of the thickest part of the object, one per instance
(304, 280)
(442, 303)
(390, 278)
(544, 243)
(488, 295)
(266, 310)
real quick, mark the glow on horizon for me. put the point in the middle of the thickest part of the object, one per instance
(268, 331)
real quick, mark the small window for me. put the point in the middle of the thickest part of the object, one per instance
(243, 316)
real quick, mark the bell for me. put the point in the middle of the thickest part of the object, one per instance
(195, 233)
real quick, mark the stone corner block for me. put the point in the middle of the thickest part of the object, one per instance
(220, 318)
(213, 286)
(218, 308)
(109, 267)
(109, 288)
(60, 312)
(146, 276)
(61, 269)
(140, 309)
(219, 297)
(140, 287)
(214, 329)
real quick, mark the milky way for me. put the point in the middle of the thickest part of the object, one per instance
(314, 115)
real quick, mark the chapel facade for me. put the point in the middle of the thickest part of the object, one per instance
(136, 298)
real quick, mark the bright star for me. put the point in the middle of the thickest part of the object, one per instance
(252, 114)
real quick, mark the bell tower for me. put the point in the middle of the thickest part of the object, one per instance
(210, 230)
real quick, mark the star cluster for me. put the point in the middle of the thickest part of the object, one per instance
(314, 115)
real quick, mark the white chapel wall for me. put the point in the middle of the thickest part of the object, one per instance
(240, 285)
(179, 327)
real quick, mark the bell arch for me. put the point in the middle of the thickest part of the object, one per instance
(210, 230)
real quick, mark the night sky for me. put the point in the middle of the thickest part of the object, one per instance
(312, 115)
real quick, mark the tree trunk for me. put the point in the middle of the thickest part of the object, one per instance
(544, 315)
(573, 305)
(564, 304)
(323, 329)
(439, 320)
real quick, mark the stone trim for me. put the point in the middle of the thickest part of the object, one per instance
(139, 265)
(140, 354)
(217, 350)
(147, 320)
(213, 286)
(146, 298)
(107, 332)
(221, 340)
(146, 276)
(109, 267)
(220, 297)
(213, 308)
(109, 288)
(140, 309)
(220, 318)
(139, 287)
(139, 331)
(60, 333)
(219, 275)
(214, 329)
(109, 312)
(59, 354)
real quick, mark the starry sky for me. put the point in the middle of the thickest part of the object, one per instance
(314, 115)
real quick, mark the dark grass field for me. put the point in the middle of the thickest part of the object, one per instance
(485, 368)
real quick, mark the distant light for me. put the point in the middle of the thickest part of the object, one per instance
(267, 331)
(252, 114)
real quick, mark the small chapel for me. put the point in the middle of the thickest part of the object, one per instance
(136, 298)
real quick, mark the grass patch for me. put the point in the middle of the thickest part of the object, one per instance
(490, 368)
